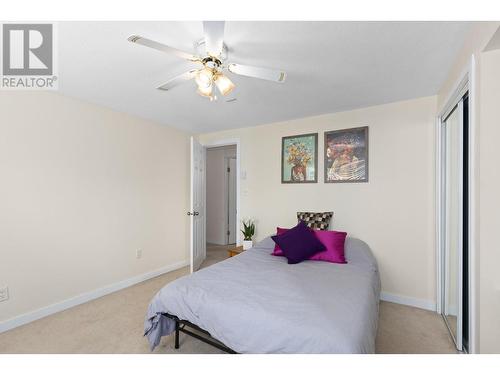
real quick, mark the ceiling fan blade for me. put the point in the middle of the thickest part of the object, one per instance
(178, 80)
(162, 47)
(262, 73)
(214, 37)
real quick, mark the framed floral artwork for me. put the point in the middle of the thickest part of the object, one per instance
(299, 159)
(346, 155)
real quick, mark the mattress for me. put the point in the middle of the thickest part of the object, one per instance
(258, 303)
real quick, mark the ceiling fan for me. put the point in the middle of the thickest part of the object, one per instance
(212, 55)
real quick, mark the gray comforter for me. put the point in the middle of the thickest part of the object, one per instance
(258, 303)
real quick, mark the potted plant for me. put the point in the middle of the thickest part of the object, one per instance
(248, 232)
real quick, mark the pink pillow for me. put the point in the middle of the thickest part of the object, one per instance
(277, 250)
(334, 242)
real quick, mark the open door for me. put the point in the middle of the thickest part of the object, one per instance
(198, 198)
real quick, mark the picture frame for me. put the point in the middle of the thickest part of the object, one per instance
(346, 155)
(299, 159)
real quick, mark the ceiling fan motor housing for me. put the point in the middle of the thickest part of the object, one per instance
(211, 62)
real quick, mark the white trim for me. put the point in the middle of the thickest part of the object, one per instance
(232, 142)
(473, 251)
(191, 208)
(460, 275)
(409, 301)
(462, 88)
(226, 201)
(85, 297)
(457, 88)
(227, 164)
(439, 204)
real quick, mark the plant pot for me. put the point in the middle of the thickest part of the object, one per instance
(247, 244)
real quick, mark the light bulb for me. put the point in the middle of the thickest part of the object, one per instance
(204, 78)
(205, 91)
(224, 84)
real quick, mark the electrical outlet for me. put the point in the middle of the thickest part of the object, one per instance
(4, 294)
(138, 254)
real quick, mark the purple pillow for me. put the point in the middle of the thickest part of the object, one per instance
(334, 243)
(298, 243)
(277, 251)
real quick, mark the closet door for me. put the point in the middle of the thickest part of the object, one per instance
(453, 222)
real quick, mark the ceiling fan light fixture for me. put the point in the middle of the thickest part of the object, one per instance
(224, 84)
(204, 78)
(205, 91)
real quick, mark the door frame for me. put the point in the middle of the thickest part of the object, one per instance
(231, 142)
(466, 82)
(227, 164)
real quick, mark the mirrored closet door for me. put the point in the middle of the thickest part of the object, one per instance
(454, 221)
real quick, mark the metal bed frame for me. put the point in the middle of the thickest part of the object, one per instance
(180, 326)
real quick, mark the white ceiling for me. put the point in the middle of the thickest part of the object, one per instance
(331, 67)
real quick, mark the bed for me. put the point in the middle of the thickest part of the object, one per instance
(258, 303)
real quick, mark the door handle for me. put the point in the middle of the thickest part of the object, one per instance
(195, 213)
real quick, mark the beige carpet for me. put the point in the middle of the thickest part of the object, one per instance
(114, 324)
(216, 253)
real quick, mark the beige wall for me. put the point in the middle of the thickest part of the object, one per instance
(393, 213)
(82, 188)
(489, 207)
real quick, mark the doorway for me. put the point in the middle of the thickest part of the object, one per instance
(225, 199)
(221, 194)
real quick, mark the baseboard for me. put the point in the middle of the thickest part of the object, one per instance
(89, 296)
(410, 301)
(85, 297)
